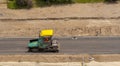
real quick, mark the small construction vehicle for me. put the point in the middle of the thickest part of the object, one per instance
(45, 42)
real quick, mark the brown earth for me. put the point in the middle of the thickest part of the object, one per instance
(63, 27)
(71, 10)
(60, 58)
(43, 58)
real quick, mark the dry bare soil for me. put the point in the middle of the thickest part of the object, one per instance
(60, 60)
(54, 58)
(63, 27)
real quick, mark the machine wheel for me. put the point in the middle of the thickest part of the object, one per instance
(41, 50)
(57, 51)
(29, 50)
(33, 50)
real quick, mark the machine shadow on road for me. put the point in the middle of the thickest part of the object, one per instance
(42, 52)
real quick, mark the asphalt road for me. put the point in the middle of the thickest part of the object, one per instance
(82, 45)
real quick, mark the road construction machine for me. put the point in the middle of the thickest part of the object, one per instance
(45, 42)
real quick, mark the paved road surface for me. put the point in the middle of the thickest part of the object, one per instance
(90, 45)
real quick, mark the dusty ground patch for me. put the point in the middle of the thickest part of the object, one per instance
(73, 10)
(62, 28)
(38, 64)
(93, 63)
(42, 58)
(60, 58)
(90, 27)
(106, 58)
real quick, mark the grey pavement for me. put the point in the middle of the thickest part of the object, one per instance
(81, 45)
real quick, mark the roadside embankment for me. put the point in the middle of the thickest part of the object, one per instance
(60, 58)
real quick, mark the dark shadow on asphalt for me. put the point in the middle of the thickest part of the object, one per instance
(42, 52)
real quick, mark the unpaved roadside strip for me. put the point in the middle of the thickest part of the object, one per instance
(58, 18)
(53, 58)
(93, 63)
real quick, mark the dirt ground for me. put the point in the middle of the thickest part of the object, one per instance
(64, 27)
(56, 58)
(93, 63)
(71, 10)
(60, 60)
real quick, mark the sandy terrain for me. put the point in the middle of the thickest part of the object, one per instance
(73, 10)
(103, 64)
(38, 64)
(61, 27)
(65, 27)
(93, 63)
(60, 60)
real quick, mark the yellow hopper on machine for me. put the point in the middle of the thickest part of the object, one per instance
(46, 32)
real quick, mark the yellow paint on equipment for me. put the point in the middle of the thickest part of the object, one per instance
(46, 33)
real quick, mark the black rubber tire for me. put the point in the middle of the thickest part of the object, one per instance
(29, 50)
(57, 51)
(41, 50)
